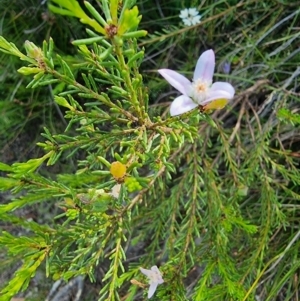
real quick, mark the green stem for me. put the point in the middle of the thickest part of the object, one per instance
(94, 94)
(126, 75)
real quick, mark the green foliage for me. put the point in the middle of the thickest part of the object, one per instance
(25, 111)
(212, 199)
(33, 250)
(73, 9)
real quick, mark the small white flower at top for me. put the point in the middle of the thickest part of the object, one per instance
(201, 91)
(190, 16)
(155, 278)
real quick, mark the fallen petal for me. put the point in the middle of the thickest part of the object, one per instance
(205, 66)
(177, 80)
(182, 104)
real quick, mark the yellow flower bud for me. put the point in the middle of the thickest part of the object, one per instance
(118, 170)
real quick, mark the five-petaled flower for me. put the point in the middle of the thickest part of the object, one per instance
(190, 16)
(201, 91)
(154, 277)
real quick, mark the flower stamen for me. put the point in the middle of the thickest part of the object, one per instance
(199, 90)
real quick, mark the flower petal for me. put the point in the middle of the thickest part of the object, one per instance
(182, 104)
(223, 86)
(216, 104)
(157, 275)
(184, 13)
(187, 22)
(196, 20)
(152, 289)
(155, 269)
(193, 12)
(205, 66)
(147, 273)
(212, 95)
(177, 80)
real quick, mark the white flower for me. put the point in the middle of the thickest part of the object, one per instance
(154, 277)
(190, 16)
(201, 91)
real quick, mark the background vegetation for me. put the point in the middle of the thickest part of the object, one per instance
(220, 216)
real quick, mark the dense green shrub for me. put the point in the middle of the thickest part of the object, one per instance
(212, 199)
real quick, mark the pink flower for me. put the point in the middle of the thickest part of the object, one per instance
(199, 92)
(154, 277)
